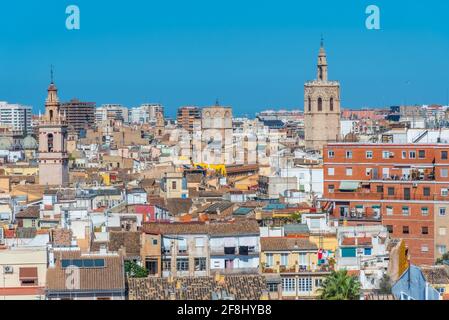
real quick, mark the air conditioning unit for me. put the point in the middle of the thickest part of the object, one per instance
(8, 269)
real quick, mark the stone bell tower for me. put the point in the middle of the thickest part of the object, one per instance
(321, 107)
(53, 157)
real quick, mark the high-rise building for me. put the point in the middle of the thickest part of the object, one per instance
(53, 157)
(111, 112)
(187, 116)
(17, 117)
(79, 115)
(321, 108)
(402, 186)
(146, 113)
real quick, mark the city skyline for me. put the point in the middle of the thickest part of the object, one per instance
(194, 54)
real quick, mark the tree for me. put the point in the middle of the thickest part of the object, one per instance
(385, 284)
(340, 286)
(443, 258)
(133, 270)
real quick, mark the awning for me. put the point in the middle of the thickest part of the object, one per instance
(376, 207)
(359, 206)
(28, 273)
(349, 185)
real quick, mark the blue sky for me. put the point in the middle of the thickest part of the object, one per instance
(250, 54)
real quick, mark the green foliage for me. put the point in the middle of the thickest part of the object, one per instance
(340, 286)
(443, 258)
(133, 270)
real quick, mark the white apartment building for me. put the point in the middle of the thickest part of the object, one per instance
(145, 113)
(16, 116)
(111, 112)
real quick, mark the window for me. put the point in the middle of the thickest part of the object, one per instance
(441, 249)
(440, 290)
(442, 212)
(318, 282)
(444, 192)
(310, 104)
(154, 242)
(412, 154)
(385, 173)
(367, 251)
(320, 104)
(442, 231)
(422, 154)
(269, 259)
(182, 264)
(272, 287)
(424, 230)
(331, 104)
(289, 284)
(368, 172)
(385, 154)
(443, 155)
(302, 259)
(166, 264)
(426, 191)
(200, 264)
(424, 211)
(331, 154)
(391, 191)
(390, 228)
(389, 210)
(349, 171)
(424, 248)
(405, 230)
(444, 173)
(405, 211)
(284, 259)
(305, 284)
(173, 185)
(50, 142)
(331, 188)
(199, 242)
(380, 189)
(404, 154)
(369, 154)
(331, 171)
(349, 154)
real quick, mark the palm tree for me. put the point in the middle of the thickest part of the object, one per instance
(340, 286)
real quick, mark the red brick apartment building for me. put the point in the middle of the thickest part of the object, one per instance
(403, 186)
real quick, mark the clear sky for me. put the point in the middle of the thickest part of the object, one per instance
(251, 54)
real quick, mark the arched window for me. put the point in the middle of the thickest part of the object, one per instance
(51, 115)
(310, 104)
(320, 104)
(50, 142)
(331, 104)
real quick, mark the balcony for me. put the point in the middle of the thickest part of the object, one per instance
(294, 269)
(243, 251)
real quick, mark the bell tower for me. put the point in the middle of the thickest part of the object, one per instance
(321, 107)
(53, 157)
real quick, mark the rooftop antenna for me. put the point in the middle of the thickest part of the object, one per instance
(322, 41)
(52, 76)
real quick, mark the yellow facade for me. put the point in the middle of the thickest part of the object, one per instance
(326, 242)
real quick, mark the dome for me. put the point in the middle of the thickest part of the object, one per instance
(5, 143)
(29, 143)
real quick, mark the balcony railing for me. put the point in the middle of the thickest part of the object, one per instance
(294, 269)
(380, 196)
(219, 251)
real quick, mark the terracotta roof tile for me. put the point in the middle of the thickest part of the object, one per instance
(286, 244)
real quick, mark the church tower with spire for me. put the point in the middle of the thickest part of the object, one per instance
(53, 157)
(321, 107)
